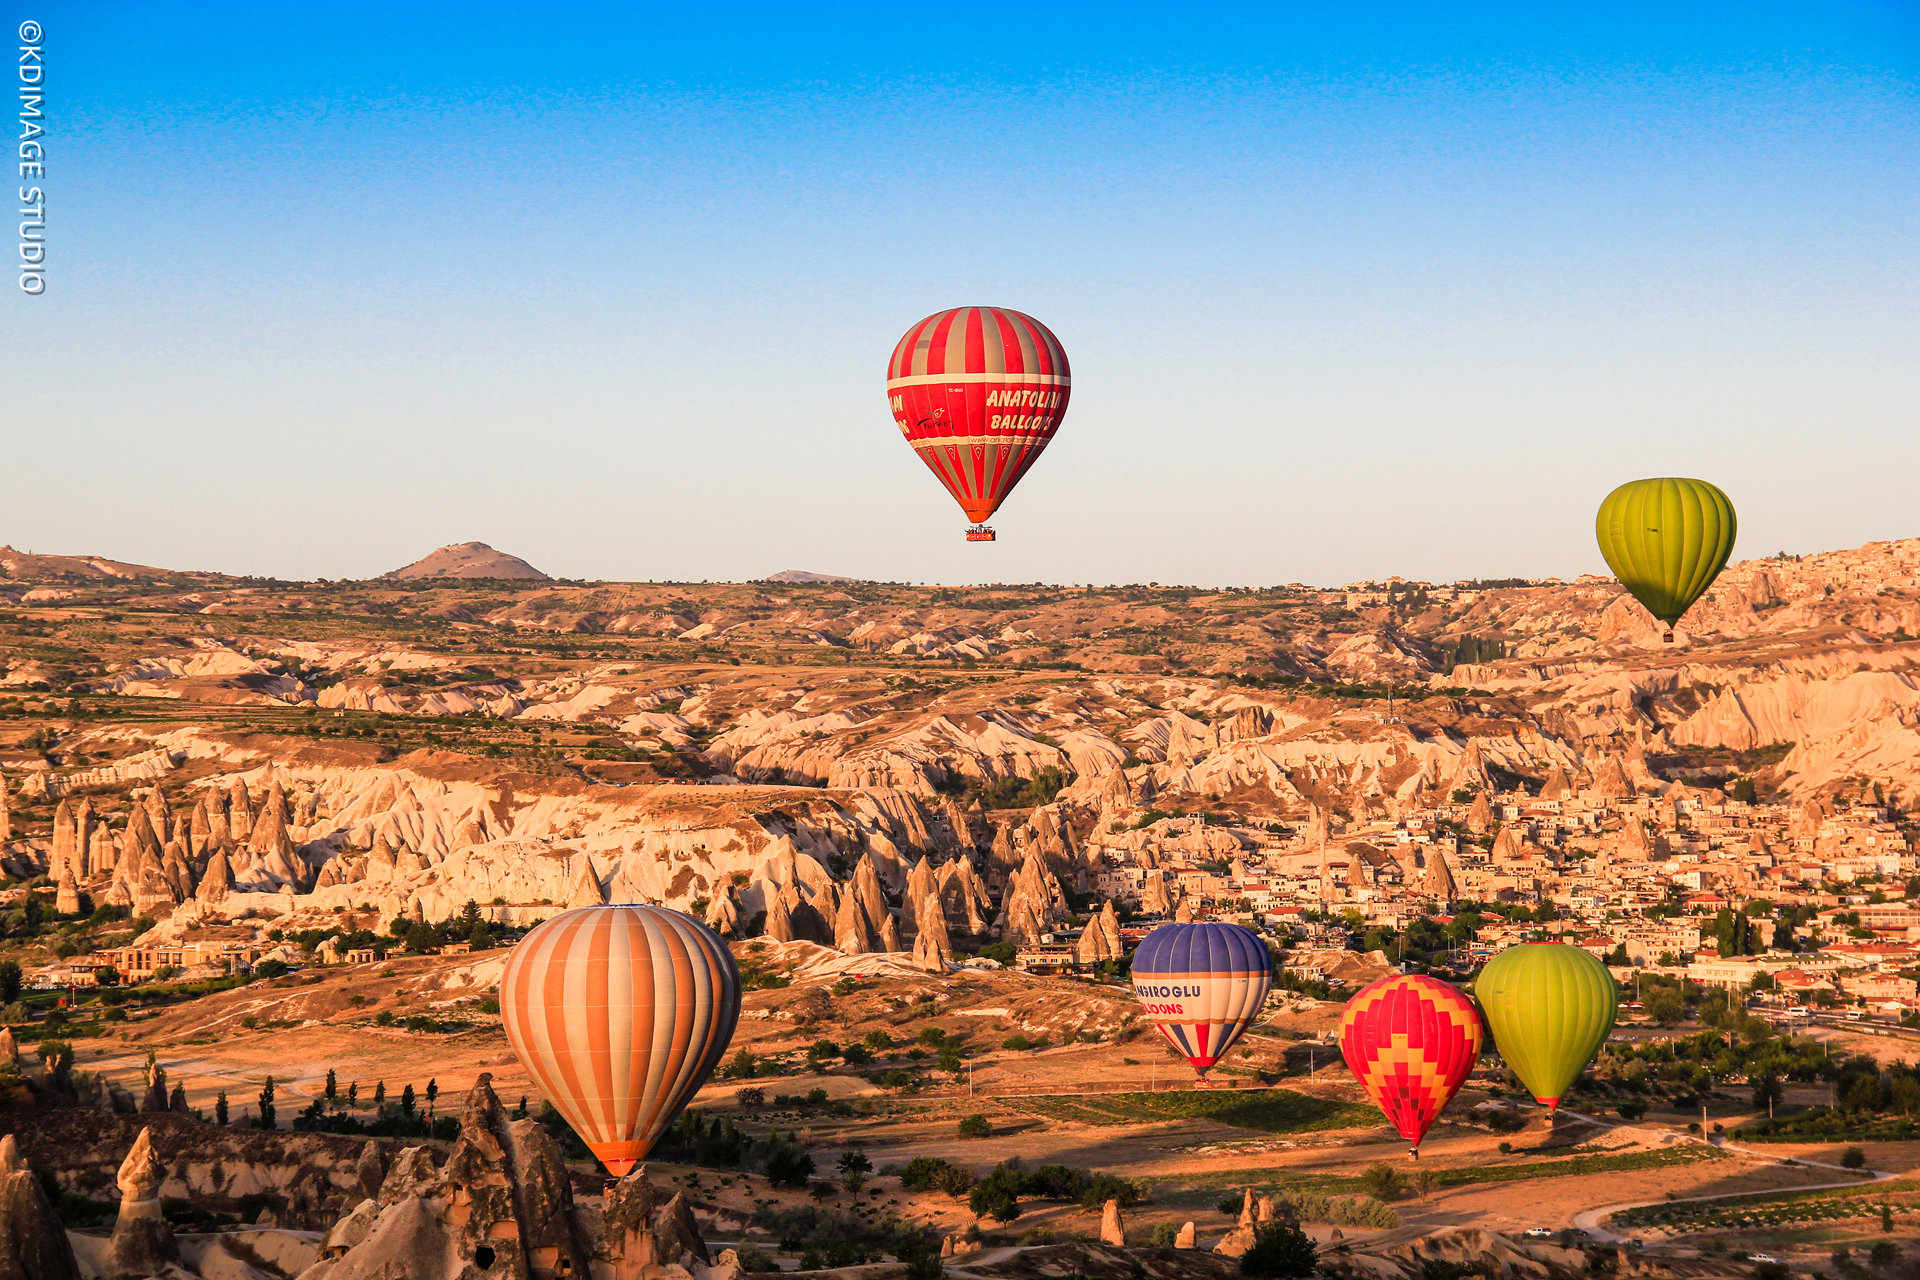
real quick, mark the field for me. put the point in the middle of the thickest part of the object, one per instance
(1266, 1111)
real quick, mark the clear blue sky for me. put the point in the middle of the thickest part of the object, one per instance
(1348, 290)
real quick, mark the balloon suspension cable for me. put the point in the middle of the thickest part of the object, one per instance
(979, 533)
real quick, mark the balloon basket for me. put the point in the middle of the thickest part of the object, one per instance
(980, 533)
(1668, 637)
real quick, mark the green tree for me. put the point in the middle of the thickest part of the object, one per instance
(220, 1108)
(1853, 1158)
(433, 1095)
(266, 1118)
(1767, 1092)
(9, 981)
(333, 1086)
(379, 1094)
(407, 1102)
(997, 1195)
(975, 1126)
(1280, 1253)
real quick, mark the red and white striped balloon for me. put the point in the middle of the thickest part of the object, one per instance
(620, 1014)
(978, 392)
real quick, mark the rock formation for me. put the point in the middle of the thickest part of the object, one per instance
(1241, 1238)
(932, 950)
(502, 1204)
(143, 1242)
(641, 1231)
(1113, 1229)
(33, 1244)
(1184, 1238)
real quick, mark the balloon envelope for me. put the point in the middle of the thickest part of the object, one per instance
(1666, 540)
(1550, 1007)
(1411, 1042)
(1202, 984)
(978, 392)
(620, 1014)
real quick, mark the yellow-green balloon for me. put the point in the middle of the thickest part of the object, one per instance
(1550, 1007)
(1666, 539)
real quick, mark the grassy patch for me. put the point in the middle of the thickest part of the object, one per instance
(1264, 1110)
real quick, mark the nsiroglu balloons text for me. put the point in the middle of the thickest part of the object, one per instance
(1202, 984)
(1550, 1007)
(1666, 540)
(978, 392)
(620, 1014)
(1411, 1042)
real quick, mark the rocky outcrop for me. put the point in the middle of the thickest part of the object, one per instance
(1113, 1228)
(932, 950)
(33, 1244)
(143, 1242)
(501, 1200)
(1184, 1238)
(1241, 1238)
(640, 1230)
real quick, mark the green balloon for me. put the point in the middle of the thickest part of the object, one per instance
(1550, 1007)
(1666, 540)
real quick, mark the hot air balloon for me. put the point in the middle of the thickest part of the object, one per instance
(1202, 984)
(1550, 1007)
(620, 1014)
(1666, 540)
(1410, 1041)
(978, 392)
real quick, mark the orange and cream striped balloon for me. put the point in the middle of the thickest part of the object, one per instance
(620, 1014)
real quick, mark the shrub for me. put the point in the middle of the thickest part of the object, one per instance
(975, 1126)
(1054, 1182)
(755, 1097)
(1280, 1253)
(1631, 1110)
(1164, 1235)
(1231, 1206)
(1384, 1182)
(1102, 1187)
(754, 1258)
(926, 1172)
(1017, 1043)
(1853, 1158)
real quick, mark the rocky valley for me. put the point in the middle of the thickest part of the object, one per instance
(283, 832)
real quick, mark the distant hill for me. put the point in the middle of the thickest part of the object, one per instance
(25, 566)
(467, 560)
(801, 575)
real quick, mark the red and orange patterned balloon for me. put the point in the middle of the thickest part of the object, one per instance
(1410, 1041)
(620, 1014)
